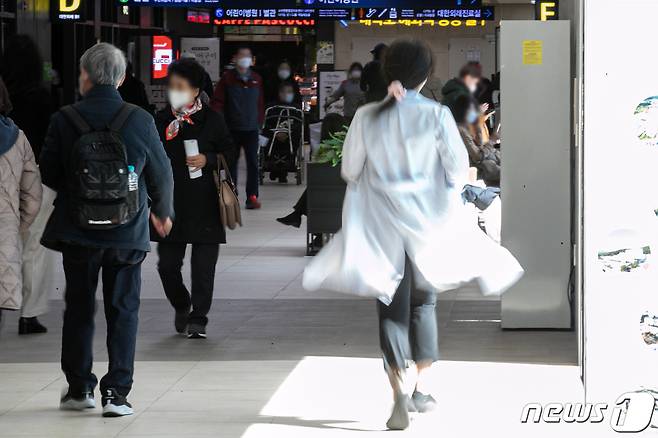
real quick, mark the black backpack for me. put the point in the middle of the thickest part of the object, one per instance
(97, 179)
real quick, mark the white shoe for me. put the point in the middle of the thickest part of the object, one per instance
(400, 416)
(115, 405)
(76, 402)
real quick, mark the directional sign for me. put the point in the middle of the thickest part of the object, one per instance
(486, 13)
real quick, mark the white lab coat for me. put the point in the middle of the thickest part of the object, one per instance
(405, 170)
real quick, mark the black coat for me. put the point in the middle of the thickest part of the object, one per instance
(196, 205)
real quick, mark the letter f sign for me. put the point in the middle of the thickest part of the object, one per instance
(69, 5)
(547, 11)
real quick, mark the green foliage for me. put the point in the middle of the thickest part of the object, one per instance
(331, 150)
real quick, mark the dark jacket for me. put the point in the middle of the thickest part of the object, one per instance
(145, 152)
(31, 111)
(453, 90)
(373, 82)
(195, 200)
(133, 91)
(242, 102)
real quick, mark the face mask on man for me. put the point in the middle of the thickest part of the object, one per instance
(288, 97)
(284, 74)
(244, 63)
(471, 116)
(178, 99)
(355, 74)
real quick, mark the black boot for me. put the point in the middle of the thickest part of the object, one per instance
(294, 219)
(29, 326)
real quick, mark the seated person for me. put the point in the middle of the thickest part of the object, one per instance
(331, 124)
(284, 134)
(481, 151)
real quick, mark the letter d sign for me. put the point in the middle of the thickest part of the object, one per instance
(69, 5)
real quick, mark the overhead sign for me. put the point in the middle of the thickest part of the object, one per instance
(486, 13)
(67, 10)
(547, 10)
(163, 55)
(425, 23)
(314, 4)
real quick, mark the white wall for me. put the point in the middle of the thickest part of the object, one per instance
(352, 41)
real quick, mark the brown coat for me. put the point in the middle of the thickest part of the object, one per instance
(20, 200)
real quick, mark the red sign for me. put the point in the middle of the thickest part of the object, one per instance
(263, 22)
(163, 55)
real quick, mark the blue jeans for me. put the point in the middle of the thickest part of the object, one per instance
(249, 141)
(121, 271)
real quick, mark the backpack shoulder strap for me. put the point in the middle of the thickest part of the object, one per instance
(74, 116)
(122, 117)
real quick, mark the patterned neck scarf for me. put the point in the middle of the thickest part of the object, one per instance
(182, 115)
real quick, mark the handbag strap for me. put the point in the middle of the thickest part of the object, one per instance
(224, 166)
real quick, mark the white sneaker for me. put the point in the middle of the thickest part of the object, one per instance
(76, 402)
(115, 405)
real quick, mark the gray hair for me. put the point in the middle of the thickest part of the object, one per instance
(105, 64)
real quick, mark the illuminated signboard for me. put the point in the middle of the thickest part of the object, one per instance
(283, 14)
(314, 4)
(547, 10)
(198, 16)
(67, 10)
(163, 55)
(263, 22)
(425, 23)
(486, 13)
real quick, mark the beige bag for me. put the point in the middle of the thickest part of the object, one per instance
(229, 206)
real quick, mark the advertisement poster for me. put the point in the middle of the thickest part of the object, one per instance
(329, 82)
(163, 54)
(620, 201)
(325, 53)
(205, 51)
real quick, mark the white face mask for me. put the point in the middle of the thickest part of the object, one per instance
(288, 97)
(244, 62)
(355, 74)
(178, 99)
(471, 116)
(284, 74)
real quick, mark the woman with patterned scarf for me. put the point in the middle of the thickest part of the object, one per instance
(197, 221)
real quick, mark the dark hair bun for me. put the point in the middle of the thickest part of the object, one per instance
(189, 69)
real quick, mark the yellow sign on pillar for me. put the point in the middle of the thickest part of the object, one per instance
(533, 52)
(69, 5)
(546, 10)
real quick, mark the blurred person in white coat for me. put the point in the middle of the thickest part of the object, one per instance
(407, 233)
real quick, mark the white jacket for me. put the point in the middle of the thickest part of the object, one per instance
(405, 170)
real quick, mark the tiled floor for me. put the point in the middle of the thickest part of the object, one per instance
(282, 362)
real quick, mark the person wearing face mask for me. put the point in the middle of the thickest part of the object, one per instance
(198, 221)
(284, 74)
(240, 98)
(281, 160)
(482, 155)
(350, 91)
(464, 85)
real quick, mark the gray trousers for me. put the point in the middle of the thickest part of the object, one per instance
(408, 328)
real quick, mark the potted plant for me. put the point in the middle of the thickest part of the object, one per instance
(325, 192)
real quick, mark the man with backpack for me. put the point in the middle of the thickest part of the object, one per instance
(105, 160)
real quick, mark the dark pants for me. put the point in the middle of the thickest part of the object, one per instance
(408, 327)
(301, 206)
(204, 259)
(247, 140)
(121, 271)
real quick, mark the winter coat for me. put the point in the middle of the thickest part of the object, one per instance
(405, 170)
(20, 200)
(32, 109)
(196, 204)
(144, 149)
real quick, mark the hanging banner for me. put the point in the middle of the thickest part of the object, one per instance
(620, 211)
(205, 51)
